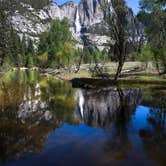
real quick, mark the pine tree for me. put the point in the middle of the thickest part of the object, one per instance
(3, 34)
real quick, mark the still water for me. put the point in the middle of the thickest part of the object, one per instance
(46, 122)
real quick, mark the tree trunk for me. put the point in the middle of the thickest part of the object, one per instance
(79, 64)
(119, 69)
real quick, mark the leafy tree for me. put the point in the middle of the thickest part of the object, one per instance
(43, 60)
(57, 42)
(68, 53)
(146, 54)
(153, 15)
(78, 58)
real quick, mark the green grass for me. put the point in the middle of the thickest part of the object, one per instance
(139, 79)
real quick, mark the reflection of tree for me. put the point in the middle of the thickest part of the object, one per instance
(31, 108)
(111, 108)
(61, 101)
(156, 99)
(157, 118)
(15, 87)
(117, 146)
(154, 138)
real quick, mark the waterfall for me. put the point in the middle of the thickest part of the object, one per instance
(77, 23)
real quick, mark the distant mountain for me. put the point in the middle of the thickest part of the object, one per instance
(86, 20)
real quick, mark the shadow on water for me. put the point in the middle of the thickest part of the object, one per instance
(44, 121)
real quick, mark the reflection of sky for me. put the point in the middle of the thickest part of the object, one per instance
(139, 119)
(81, 144)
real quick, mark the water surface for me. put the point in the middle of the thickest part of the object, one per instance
(44, 121)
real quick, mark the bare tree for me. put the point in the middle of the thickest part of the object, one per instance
(116, 15)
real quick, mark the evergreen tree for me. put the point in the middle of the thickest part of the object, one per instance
(3, 34)
(11, 47)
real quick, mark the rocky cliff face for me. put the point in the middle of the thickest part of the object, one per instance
(86, 21)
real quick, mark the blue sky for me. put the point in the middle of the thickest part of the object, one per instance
(131, 3)
(134, 4)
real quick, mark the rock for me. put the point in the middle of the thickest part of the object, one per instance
(86, 21)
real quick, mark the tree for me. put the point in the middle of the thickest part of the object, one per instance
(14, 46)
(146, 54)
(78, 58)
(11, 46)
(3, 34)
(57, 42)
(36, 4)
(116, 13)
(68, 53)
(153, 15)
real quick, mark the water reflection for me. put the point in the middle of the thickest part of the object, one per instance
(30, 108)
(154, 136)
(110, 108)
(50, 123)
(105, 108)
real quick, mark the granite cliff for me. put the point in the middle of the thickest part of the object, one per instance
(86, 21)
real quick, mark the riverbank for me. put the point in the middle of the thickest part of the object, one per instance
(85, 79)
(133, 73)
(86, 70)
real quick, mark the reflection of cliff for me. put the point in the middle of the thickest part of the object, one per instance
(34, 108)
(29, 112)
(24, 133)
(24, 128)
(104, 108)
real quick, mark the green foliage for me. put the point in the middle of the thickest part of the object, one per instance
(12, 5)
(93, 55)
(153, 16)
(42, 60)
(144, 18)
(14, 52)
(57, 43)
(146, 54)
(4, 34)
